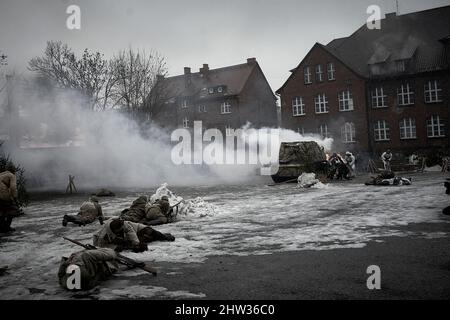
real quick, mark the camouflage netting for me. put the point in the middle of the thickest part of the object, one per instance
(5, 162)
(298, 157)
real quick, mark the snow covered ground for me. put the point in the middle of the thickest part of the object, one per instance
(222, 220)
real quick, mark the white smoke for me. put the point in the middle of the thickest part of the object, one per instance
(106, 149)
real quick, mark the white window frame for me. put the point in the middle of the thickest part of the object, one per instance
(348, 132)
(432, 92)
(184, 104)
(345, 100)
(307, 76)
(321, 103)
(405, 96)
(381, 131)
(229, 131)
(323, 131)
(219, 90)
(201, 108)
(185, 123)
(378, 96)
(408, 129)
(435, 127)
(211, 90)
(331, 71)
(225, 107)
(298, 107)
(319, 73)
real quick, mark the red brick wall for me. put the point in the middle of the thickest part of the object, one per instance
(345, 78)
(420, 111)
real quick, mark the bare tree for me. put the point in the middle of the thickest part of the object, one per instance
(136, 75)
(87, 74)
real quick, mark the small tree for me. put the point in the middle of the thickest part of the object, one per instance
(87, 74)
(136, 75)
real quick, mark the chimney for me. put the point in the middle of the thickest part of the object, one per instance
(251, 61)
(204, 69)
(390, 15)
(187, 76)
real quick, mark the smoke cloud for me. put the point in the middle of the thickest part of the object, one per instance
(59, 136)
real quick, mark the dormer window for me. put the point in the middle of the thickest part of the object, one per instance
(400, 65)
(219, 89)
(184, 103)
(211, 90)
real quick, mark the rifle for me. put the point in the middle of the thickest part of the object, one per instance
(120, 258)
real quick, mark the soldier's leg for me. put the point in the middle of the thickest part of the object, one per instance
(74, 219)
(149, 234)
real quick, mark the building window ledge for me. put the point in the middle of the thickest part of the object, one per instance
(299, 115)
(322, 112)
(434, 102)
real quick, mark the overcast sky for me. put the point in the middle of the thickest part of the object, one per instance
(191, 32)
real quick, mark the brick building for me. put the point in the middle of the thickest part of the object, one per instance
(224, 98)
(376, 89)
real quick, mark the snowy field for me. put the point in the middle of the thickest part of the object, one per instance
(227, 220)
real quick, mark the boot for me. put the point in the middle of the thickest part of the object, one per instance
(64, 222)
(169, 237)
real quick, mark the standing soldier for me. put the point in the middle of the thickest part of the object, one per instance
(386, 157)
(8, 199)
(89, 212)
(350, 159)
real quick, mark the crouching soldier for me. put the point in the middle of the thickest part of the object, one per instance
(89, 212)
(158, 213)
(121, 235)
(136, 212)
(8, 199)
(92, 267)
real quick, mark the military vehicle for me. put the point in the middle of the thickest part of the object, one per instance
(298, 157)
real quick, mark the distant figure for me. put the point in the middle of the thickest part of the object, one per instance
(8, 199)
(386, 157)
(125, 235)
(334, 163)
(95, 265)
(71, 185)
(350, 159)
(90, 211)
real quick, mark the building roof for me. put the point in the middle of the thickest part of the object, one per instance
(401, 37)
(233, 77)
(420, 35)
